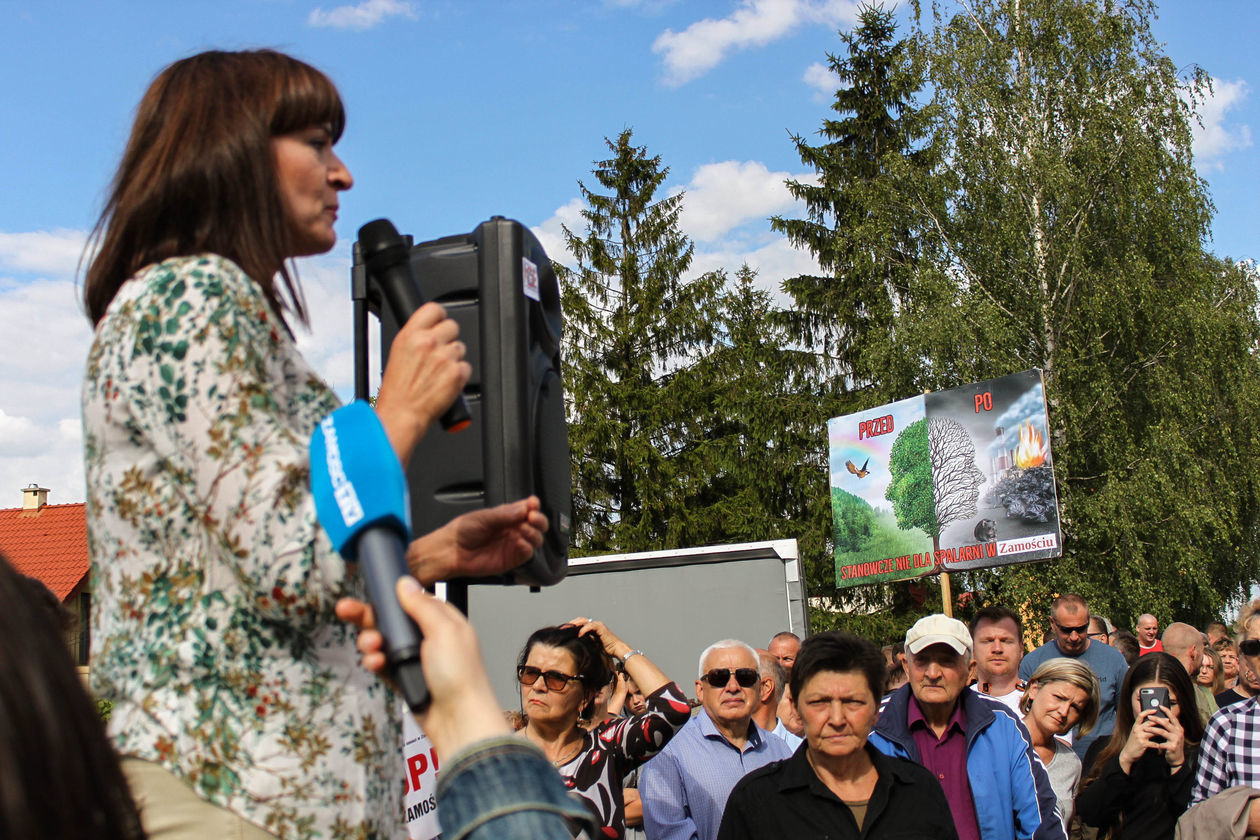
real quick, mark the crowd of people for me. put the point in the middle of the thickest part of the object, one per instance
(243, 665)
(1072, 738)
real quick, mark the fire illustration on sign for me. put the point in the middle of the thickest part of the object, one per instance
(1031, 451)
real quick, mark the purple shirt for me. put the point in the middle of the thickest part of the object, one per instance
(946, 758)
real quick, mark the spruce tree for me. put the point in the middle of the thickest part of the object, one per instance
(872, 250)
(633, 323)
(754, 461)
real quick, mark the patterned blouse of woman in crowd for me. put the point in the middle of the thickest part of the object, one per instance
(1138, 782)
(561, 670)
(1062, 694)
(1211, 673)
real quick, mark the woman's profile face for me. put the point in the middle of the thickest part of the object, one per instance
(309, 176)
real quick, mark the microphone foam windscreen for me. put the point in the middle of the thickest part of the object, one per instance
(356, 478)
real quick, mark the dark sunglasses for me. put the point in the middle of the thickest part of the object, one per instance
(1083, 629)
(719, 677)
(554, 680)
(1249, 647)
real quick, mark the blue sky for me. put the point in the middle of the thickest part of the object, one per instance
(459, 111)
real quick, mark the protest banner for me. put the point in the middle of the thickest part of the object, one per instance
(420, 779)
(948, 481)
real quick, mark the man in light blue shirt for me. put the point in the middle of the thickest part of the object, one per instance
(684, 789)
(1069, 616)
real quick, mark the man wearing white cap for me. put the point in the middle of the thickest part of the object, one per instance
(978, 749)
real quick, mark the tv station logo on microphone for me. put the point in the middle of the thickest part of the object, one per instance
(343, 491)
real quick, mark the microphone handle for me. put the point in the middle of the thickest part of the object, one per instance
(382, 561)
(404, 298)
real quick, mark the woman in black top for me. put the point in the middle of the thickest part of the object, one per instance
(1139, 782)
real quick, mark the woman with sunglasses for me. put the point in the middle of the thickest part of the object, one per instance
(561, 669)
(1141, 780)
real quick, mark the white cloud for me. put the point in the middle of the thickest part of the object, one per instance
(47, 336)
(49, 253)
(704, 44)
(50, 455)
(365, 15)
(725, 212)
(820, 77)
(1214, 139)
(551, 236)
(722, 196)
(329, 344)
(774, 260)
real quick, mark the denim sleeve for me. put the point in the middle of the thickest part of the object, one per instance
(504, 788)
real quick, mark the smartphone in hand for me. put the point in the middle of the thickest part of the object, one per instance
(1154, 697)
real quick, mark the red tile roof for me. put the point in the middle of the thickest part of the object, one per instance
(49, 544)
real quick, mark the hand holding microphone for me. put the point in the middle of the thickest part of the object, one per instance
(361, 500)
(464, 709)
(426, 363)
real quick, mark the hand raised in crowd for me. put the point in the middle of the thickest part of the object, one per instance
(464, 709)
(613, 646)
(425, 372)
(646, 675)
(479, 543)
(1154, 729)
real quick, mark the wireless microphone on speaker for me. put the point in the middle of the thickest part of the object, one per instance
(388, 257)
(362, 503)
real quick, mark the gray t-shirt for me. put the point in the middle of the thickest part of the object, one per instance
(1064, 771)
(1108, 664)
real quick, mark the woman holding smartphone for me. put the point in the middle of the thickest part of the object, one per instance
(1139, 782)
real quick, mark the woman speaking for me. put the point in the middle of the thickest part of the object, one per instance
(238, 703)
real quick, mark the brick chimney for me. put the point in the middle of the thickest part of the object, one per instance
(34, 497)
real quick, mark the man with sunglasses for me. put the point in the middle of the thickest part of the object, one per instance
(1229, 753)
(1069, 617)
(684, 789)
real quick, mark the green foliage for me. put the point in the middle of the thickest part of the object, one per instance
(1040, 210)
(755, 457)
(633, 327)
(910, 490)
(1073, 224)
(873, 251)
(852, 520)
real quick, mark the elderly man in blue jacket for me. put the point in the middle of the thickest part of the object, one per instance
(976, 747)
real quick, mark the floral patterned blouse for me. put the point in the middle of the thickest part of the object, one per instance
(617, 747)
(213, 630)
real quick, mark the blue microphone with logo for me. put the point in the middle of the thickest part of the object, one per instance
(362, 503)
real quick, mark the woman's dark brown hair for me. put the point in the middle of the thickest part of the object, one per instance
(59, 777)
(1151, 667)
(198, 174)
